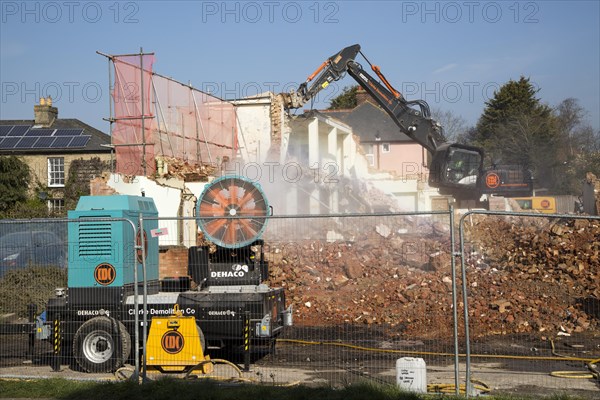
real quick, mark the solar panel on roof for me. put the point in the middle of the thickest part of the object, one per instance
(68, 132)
(26, 142)
(80, 141)
(39, 132)
(61, 141)
(44, 143)
(9, 143)
(4, 129)
(19, 130)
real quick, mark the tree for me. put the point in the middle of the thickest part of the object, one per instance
(516, 128)
(347, 99)
(454, 126)
(15, 177)
(512, 101)
(579, 148)
(530, 141)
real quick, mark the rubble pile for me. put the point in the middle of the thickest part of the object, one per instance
(190, 172)
(523, 275)
(544, 275)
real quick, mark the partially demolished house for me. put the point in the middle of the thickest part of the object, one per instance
(170, 139)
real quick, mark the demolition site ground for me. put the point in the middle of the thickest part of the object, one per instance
(363, 298)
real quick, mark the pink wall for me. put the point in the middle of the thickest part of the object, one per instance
(403, 158)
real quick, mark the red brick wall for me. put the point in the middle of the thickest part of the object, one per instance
(173, 262)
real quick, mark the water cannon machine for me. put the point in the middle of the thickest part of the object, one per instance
(230, 301)
(232, 215)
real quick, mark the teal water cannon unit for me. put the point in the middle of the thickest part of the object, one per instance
(103, 252)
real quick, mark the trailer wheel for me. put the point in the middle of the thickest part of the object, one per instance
(101, 344)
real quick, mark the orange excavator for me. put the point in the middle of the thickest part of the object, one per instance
(455, 169)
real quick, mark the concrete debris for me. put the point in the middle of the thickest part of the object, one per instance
(383, 230)
(332, 236)
(539, 275)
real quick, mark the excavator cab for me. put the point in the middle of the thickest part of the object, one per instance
(455, 169)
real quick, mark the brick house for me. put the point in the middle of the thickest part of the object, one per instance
(386, 148)
(49, 145)
(389, 150)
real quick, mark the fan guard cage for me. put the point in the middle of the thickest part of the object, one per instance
(232, 211)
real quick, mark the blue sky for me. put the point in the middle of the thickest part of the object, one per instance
(451, 54)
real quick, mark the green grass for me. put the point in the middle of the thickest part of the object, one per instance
(183, 390)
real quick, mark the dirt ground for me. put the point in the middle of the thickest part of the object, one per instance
(338, 356)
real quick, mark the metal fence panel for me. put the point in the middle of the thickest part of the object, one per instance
(532, 289)
(61, 286)
(365, 291)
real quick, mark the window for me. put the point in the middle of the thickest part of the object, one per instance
(385, 147)
(368, 149)
(56, 205)
(56, 172)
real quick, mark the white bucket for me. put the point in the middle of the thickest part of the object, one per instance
(411, 374)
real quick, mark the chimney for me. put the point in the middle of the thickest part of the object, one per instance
(361, 96)
(45, 114)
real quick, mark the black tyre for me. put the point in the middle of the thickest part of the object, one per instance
(101, 344)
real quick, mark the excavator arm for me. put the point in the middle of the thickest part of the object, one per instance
(454, 169)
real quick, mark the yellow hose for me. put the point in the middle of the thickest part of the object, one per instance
(439, 388)
(239, 378)
(431, 353)
(450, 388)
(214, 361)
(572, 375)
(575, 374)
(556, 357)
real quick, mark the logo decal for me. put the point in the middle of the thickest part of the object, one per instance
(237, 271)
(138, 242)
(545, 204)
(172, 342)
(492, 180)
(238, 267)
(105, 274)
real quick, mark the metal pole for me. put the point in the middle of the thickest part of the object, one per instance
(136, 308)
(142, 109)
(465, 310)
(454, 301)
(31, 310)
(247, 341)
(142, 236)
(57, 337)
(110, 117)
(159, 110)
(196, 116)
(233, 144)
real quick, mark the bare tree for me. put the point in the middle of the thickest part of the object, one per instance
(454, 125)
(570, 116)
(531, 140)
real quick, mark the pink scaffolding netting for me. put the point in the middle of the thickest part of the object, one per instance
(156, 116)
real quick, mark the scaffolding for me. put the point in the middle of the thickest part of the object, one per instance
(155, 117)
